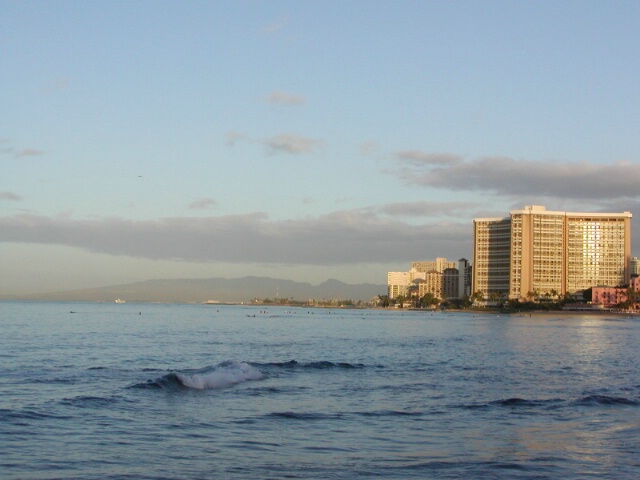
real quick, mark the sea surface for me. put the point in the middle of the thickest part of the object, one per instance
(147, 391)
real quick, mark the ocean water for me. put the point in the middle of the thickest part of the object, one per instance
(141, 391)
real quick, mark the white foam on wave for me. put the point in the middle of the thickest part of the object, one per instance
(223, 376)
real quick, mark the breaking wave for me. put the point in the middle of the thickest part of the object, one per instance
(231, 373)
(223, 375)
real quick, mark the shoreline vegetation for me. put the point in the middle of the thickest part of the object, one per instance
(530, 311)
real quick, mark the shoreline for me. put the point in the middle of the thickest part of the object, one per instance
(532, 313)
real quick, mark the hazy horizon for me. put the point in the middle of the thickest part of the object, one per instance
(234, 290)
(300, 140)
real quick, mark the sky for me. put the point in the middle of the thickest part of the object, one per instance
(301, 140)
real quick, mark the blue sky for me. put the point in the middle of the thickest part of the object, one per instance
(300, 140)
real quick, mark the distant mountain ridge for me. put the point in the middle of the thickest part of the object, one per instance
(219, 289)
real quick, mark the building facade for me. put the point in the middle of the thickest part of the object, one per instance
(398, 283)
(464, 278)
(611, 297)
(634, 266)
(536, 252)
(450, 283)
(431, 284)
(440, 277)
(491, 255)
(439, 265)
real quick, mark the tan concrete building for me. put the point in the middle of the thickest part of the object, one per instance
(439, 277)
(439, 265)
(431, 284)
(535, 252)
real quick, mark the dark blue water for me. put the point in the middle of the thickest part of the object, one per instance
(193, 391)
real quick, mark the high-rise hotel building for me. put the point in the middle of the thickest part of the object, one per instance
(540, 252)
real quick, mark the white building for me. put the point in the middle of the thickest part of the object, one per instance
(398, 283)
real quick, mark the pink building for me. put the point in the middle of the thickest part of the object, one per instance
(612, 296)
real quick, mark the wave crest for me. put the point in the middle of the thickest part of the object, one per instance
(222, 376)
(230, 373)
(318, 365)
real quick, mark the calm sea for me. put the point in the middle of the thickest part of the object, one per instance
(140, 391)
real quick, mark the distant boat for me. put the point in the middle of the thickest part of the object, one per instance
(119, 300)
(212, 302)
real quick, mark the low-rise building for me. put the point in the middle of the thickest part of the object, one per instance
(610, 297)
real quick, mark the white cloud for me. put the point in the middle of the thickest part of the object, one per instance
(292, 144)
(285, 99)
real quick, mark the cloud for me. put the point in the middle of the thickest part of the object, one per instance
(276, 26)
(511, 177)
(369, 148)
(425, 209)
(422, 158)
(283, 143)
(7, 149)
(292, 144)
(338, 238)
(285, 99)
(28, 152)
(232, 138)
(9, 196)
(56, 85)
(203, 204)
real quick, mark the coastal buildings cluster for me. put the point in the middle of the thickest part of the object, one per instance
(534, 254)
(440, 278)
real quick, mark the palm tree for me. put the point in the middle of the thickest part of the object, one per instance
(633, 297)
(476, 297)
(384, 300)
(412, 294)
(428, 300)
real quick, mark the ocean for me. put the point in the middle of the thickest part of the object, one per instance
(151, 391)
